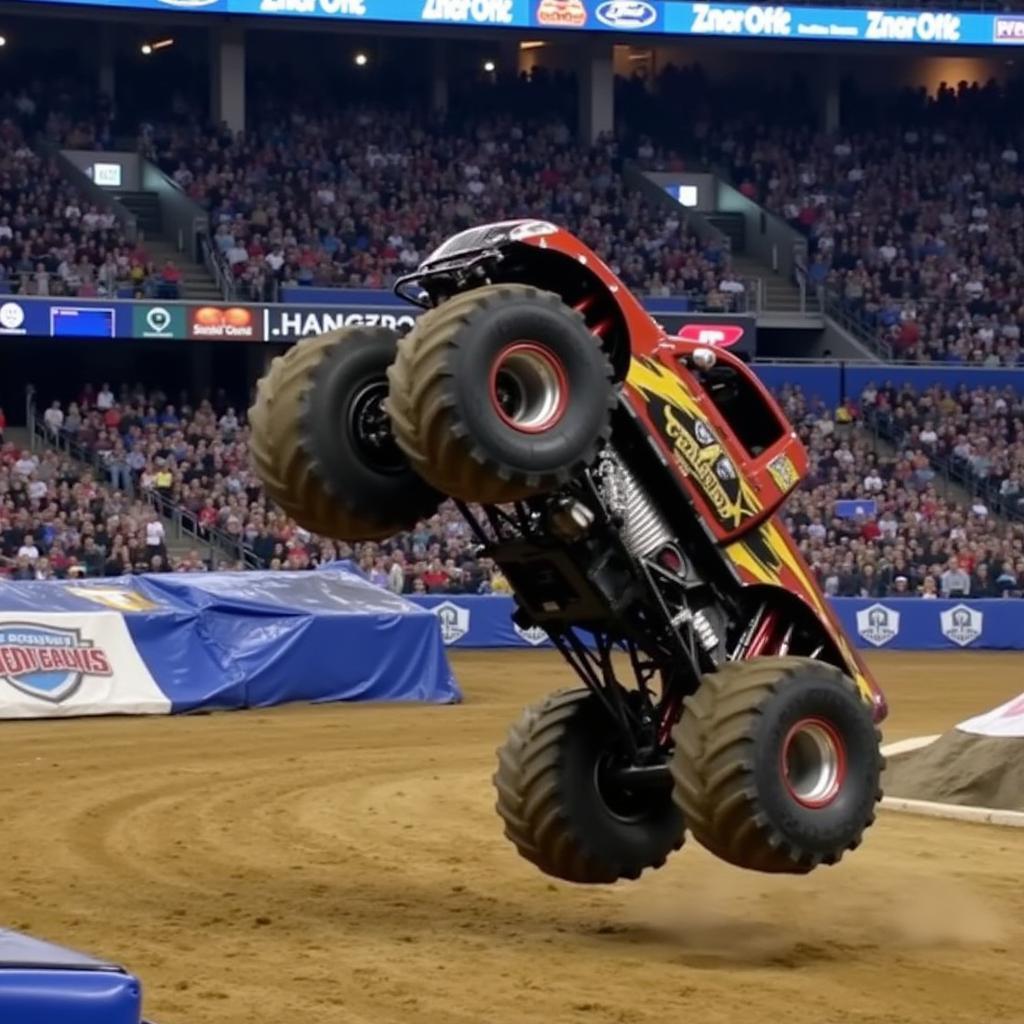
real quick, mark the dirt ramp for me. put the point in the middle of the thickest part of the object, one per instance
(980, 763)
(962, 768)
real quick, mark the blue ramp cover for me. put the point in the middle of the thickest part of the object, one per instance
(44, 984)
(159, 643)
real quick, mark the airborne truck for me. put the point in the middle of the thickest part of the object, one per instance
(628, 484)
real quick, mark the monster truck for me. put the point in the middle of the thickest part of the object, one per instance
(628, 483)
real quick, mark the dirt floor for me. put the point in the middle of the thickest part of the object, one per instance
(344, 864)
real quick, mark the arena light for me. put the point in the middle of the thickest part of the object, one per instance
(362, 60)
(489, 66)
(533, 44)
(160, 44)
(3, 40)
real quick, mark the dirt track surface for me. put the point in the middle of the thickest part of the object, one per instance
(344, 864)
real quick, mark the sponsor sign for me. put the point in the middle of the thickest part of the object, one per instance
(291, 323)
(454, 621)
(224, 323)
(47, 662)
(12, 318)
(158, 321)
(962, 624)
(561, 13)
(665, 17)
(534, 636)
(712, 335)
(734, 331)
(628, 15)
(1009, 28)
(324, 8)
(469, 12)
(878, 625)
(66, 663)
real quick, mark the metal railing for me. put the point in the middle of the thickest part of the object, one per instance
(953, 472)
(836, 308)
(185, 525)
(220, 276)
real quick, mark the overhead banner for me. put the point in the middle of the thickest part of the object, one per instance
(657, 17)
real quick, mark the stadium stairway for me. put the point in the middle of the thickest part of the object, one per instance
(944, 484)
(177, 542)
(196, 282)
(779, 296)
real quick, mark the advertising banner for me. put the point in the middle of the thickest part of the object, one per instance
(659, 17)
(61, 664)
(292, 323)
(33, 317)
(902, 624)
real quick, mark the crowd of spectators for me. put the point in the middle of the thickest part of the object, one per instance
(912, 210)
(870, 524)
(54, 242)
(60, 522)
(976, 434)
(881, 525)
(359, 197)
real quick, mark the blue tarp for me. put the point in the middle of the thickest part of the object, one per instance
(230, 640)
(44, 984)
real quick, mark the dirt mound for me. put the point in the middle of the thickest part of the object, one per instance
(962, 768)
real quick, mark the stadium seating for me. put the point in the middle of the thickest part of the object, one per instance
(359, 197)
(911, 211)
(871, 521)
(53, 242)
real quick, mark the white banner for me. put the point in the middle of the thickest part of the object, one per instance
(1007, 720)
(64, 664)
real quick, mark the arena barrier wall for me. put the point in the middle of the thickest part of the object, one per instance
(832, 382)
(44, 984)
(906, 624)
(165, 644)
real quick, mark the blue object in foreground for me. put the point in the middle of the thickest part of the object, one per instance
(44, 984)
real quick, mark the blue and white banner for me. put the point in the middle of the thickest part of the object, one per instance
(899, 624)
(659, 17)
(164, 644)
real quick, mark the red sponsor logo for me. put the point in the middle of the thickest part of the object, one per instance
(562, 13)
(17, 661)
(712, 335)
(1009, 30)
(219, 323)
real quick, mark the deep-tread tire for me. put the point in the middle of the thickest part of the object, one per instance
(441, 395)
(304, 448)
(552, 807)
(728, 773)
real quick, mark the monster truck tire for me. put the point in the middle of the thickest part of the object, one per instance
(500, 393)
(321, 442)
(556, 810)
(777, 765)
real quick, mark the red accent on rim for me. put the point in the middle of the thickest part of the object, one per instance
(541, 380)
(825, 772)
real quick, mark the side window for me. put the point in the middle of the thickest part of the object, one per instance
(743, 406)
